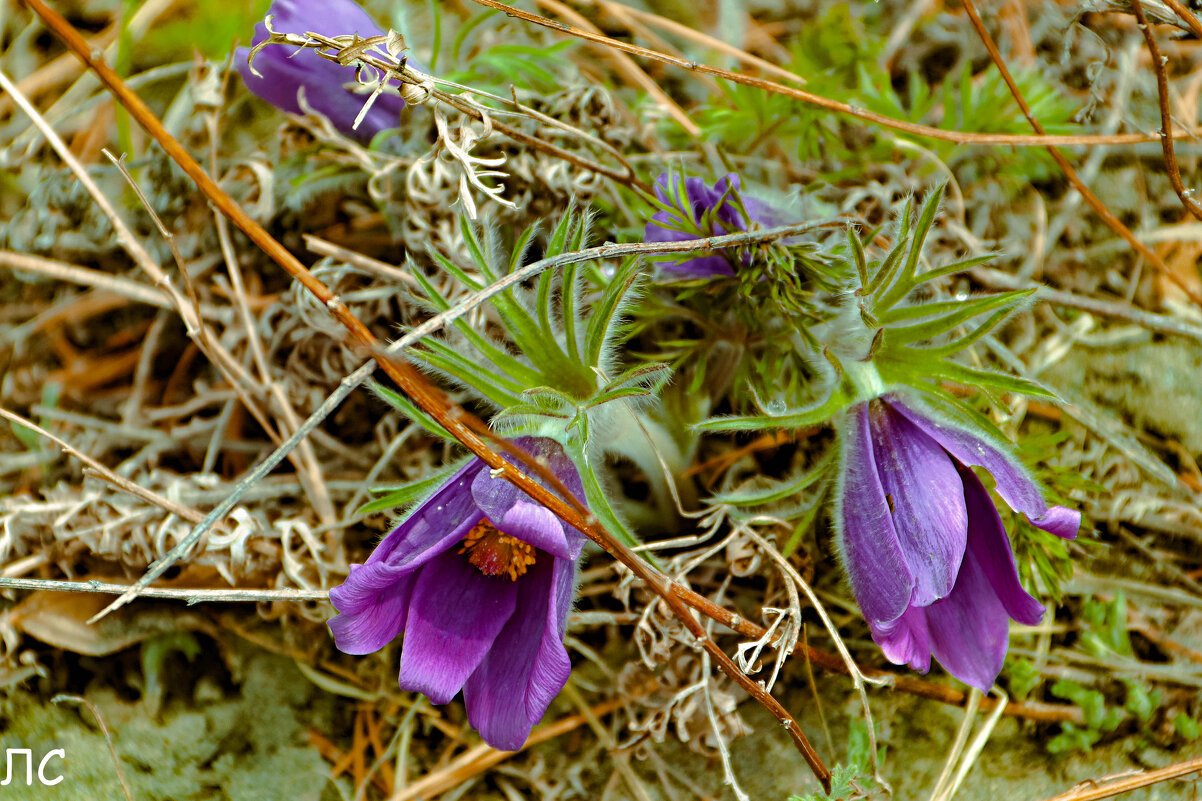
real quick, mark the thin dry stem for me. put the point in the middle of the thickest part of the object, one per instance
(1094, 790)
(1113, 222)
(122, 483)
(104, 729)
(1019, 140)
(1166, 115)
(626, 65)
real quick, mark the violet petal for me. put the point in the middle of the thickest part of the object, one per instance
(990, 548)
(927, 500)
(510, 691)
(284, 70)
(536, 525)
(454, 617)
(516, 514)
(433, 525)
(1014, 485)
(906, 640)
(970, 629)
(373, 603)
(880, 579)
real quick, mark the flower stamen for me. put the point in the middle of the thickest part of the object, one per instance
(497, 554)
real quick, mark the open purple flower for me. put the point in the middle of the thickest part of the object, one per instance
(285, 70)
(479, 577)
(711, 211)
(929, 560)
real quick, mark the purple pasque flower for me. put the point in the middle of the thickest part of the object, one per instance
(479, 577)
(286, 70)
(928, 557)
(711, 212)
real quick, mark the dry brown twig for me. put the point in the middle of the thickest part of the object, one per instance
(632, 71)
(1095, 203)
(1018, 140)
(188, 308)
(1166, 115)
(103, 473)
(621, 10)
(1191, 21)
(470, 432)
(1094, 791)
(104, 729)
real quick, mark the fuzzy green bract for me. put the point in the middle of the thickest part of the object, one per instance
(555, 374)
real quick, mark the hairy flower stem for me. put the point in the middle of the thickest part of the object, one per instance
(864, 378)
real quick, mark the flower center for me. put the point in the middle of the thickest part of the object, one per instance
(497, 554)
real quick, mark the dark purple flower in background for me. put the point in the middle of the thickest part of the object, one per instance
(479, 577)
(929, 559)
(285, 69)
(710, 212)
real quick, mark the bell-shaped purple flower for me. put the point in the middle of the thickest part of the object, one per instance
(928, 557)
(479, 577)
(285, 70)
(712, 211)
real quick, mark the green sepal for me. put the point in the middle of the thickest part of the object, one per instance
(644, 376)
(857, 254)
(499, 358)
(955, 267)
(615, 394)
(906, 366)
(964, 342)
(466, 373)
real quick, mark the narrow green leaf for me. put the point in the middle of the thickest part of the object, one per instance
(468, 374)
(905, 281)
(602, 322)
(455, 270)
(800, 418)
(475, 248)
(985, 379)
(571, 300)
(888, 270)
(519, 248)
(541, 350)
(616, 394)
(559, 238)
(408, 408)
(952, 269)
(543, 303)
(962, 312)
(405, 494)
(857, 254)
(645, 375)
(957, 345)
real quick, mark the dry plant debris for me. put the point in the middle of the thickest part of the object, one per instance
(186, 421)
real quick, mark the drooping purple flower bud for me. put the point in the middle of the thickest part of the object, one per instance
(479, 578)
(285, 70)
(711, 211)
(928, 557)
